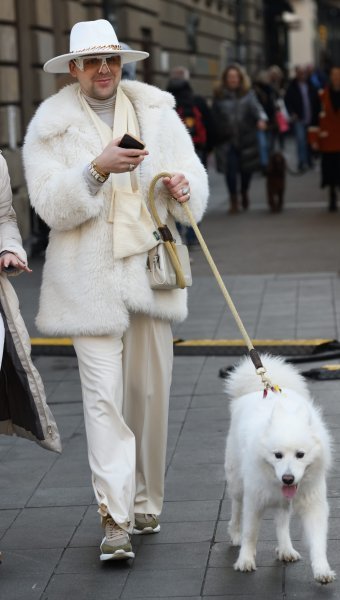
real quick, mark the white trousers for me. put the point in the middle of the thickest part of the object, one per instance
(2, 338)
(125, 387)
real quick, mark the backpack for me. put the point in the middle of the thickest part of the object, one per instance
(193, 120)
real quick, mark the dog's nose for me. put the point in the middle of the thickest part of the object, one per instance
(288, 479)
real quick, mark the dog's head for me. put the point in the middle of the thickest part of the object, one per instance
(293, 447)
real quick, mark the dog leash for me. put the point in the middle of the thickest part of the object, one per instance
(255, 358)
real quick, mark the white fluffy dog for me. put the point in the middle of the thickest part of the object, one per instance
(277, 455)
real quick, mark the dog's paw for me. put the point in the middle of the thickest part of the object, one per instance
(245, 564)
(325, 576)
(235, 538)
(235, 535)
(287, 554)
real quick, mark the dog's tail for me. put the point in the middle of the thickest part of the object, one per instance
(244, 379)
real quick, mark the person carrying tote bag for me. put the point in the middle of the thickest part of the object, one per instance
(23, 408)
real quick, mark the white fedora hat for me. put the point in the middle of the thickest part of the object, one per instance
(89, 38)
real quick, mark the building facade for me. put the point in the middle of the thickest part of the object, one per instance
(328, 33)
(300, 32)
(203, 35)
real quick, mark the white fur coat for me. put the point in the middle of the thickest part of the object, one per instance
(84, 291)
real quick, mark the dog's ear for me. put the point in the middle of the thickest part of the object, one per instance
(277, 414)
(303, 414)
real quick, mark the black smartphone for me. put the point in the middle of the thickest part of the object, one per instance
(131, 142)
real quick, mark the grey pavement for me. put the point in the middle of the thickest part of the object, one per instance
(282, 272)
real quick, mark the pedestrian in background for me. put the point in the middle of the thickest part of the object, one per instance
(325, 138)
(193, 111)
(301, 100)
(316, 76)
(266, 97)
(238, 116)
(196, 115)
(276, 81)
(95, 288)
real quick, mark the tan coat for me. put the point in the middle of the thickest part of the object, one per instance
(23, 408)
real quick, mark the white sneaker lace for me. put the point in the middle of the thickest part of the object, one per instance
(113, 531)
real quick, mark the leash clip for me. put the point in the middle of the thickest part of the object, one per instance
(261, 371)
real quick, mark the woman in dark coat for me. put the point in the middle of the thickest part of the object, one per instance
(326, 137)
(238, 115)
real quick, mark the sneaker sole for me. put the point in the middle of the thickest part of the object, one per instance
(147, 530)
(118, 555)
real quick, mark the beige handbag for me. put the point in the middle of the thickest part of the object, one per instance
(161, 271)
(168, 263)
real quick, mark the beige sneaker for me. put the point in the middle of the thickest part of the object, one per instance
(116, 544)
(146, 524)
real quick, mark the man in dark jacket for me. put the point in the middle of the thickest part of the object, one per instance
(194, 112)
(302, 104)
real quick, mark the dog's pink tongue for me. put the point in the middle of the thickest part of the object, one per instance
(289, 491)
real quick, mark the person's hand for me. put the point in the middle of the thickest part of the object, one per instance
(178, 187)
(261, 125)
(114, 159)
(12, 260)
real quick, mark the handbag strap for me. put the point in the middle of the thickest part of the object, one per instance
(165, 233)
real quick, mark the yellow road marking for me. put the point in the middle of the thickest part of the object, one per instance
(313, 342)
(207, 342)
(51, 342)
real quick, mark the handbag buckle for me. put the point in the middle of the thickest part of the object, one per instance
(165, 233)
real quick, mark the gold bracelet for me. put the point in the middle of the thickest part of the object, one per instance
(102, 173)
(97, 173)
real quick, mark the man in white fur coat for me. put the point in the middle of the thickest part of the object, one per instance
(93, 196)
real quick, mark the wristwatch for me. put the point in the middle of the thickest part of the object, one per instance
(97, 173)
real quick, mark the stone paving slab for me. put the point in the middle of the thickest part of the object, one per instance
(158, 583)
(226, 581)
(299, 583)
(87, 585)
(26, 574)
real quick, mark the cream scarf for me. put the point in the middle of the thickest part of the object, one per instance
(134, 231)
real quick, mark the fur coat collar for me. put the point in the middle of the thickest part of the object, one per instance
(55, 122)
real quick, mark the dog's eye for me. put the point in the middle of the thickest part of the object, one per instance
(299, 454)
(278, 455)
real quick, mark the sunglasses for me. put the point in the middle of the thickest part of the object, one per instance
(97, 62)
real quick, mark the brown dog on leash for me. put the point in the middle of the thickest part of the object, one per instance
(276, 179)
